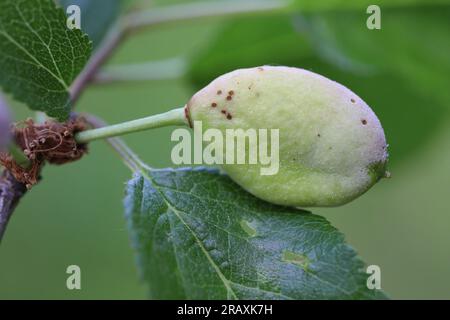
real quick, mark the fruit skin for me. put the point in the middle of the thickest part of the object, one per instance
(332, 147)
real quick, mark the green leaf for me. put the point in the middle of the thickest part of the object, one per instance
(96, 17)
(413, 43)
(200, 236)
(39, 55)
(247, 43)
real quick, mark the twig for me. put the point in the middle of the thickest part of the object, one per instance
(112, 40)
(157, 16)
(11, 191)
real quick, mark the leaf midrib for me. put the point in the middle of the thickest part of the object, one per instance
(225, 281)
(60, 78)
(177, 212)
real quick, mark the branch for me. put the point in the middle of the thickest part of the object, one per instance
(11, 191)
(157, 16)
(111, 42)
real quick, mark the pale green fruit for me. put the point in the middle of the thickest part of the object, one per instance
(332, 147)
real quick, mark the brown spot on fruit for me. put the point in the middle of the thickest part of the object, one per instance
(229, 98)
(219, 92)
(213, 104)
(352, 100)
(364, 121)
(318, 135)
(231, 92)
(229, 116)
(223, 111)
(187, 114)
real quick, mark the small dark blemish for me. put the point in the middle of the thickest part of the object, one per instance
(364, 121)
(231, 92)
(229, 116)
(187, 114)
(352, 100)
(318, 135)
(219, 92)
(229, 98)
(213, 104)
(223, 111)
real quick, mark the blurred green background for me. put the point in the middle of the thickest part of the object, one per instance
(75, 216)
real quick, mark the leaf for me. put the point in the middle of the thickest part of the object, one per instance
(200, 236)
(412, 43)
(5, 122)
(39, 55)
(247, 43)
(96, 17)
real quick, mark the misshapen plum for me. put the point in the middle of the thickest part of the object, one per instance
(332, 147)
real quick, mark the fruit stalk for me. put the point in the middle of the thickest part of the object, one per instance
(174, 117)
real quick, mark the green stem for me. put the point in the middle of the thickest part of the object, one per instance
(174, 117)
